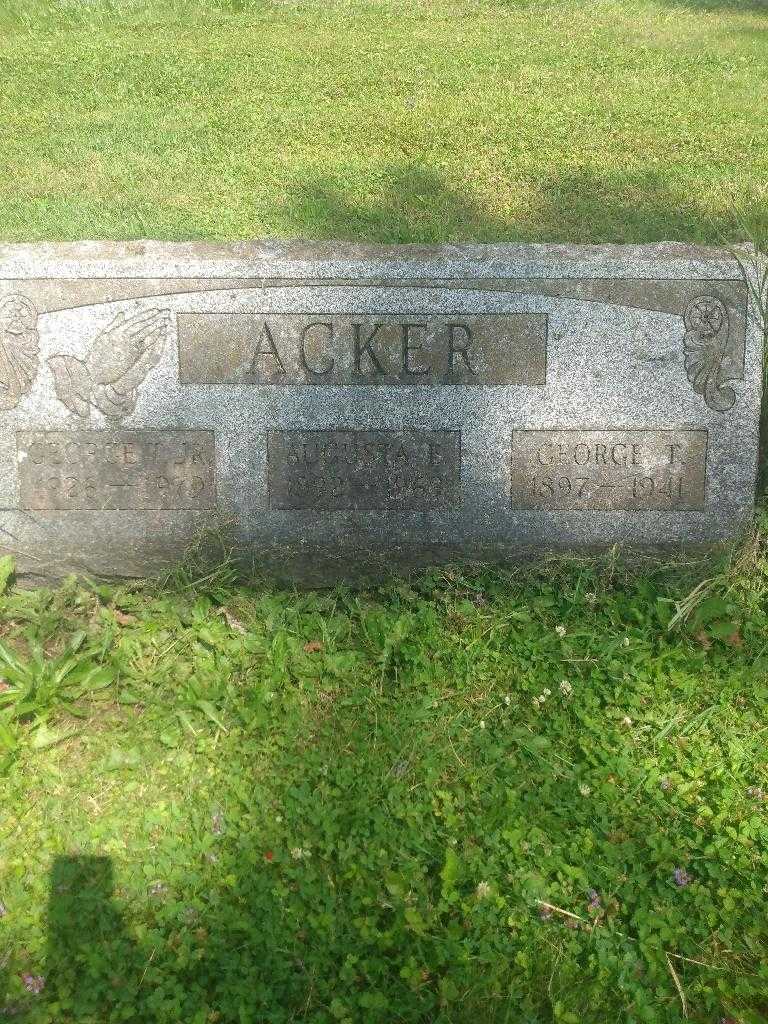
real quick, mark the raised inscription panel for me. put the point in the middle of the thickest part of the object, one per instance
(326, 348)
(121, 469)
(628, 470)
(408, 470)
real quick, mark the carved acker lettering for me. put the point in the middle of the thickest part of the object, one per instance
(325, 348)
(116, 470)
(627, 470)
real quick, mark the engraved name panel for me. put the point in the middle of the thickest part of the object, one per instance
(282, 348)
(112, 470)
(408, 470)
(628, 470)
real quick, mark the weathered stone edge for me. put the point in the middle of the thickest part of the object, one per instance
(338, 259)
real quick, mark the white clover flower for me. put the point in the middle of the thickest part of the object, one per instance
(482, 723)
(590, 597)
(626, 720)
(297, 853)
(546, 692)
(565, 688)
(507, 699)
(483, 890)
(560, 630)
(626, 641)
(584, 789)
(536, 702)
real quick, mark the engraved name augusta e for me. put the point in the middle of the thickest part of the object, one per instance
(286, 348)
(398, 470)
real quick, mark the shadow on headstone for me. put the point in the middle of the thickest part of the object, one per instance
(92, 963)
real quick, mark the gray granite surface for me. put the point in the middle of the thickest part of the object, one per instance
(330, 410)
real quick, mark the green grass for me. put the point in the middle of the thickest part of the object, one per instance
(359, 806)
(583, 120)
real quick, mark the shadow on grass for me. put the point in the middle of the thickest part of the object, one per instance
(92, 964)
(248, 957)
(233, 923)
(96, 972)
(414, 204)
(718, 6)
(83, 924)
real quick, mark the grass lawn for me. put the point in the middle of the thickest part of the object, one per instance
(468, 797)
(584, 120)
(528, 796)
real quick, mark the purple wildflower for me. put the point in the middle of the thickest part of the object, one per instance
(681, 877)
(33, 983)
(594, 900)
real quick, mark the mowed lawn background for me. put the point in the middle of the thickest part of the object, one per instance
(577, 120)
(531, 796)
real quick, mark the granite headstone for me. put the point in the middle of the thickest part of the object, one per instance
(335, 410)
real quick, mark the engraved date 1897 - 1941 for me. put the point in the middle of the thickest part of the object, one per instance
(651, 470)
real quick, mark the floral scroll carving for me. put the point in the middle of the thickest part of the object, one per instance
(19, 348)
(707, 331)
(120, 358)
